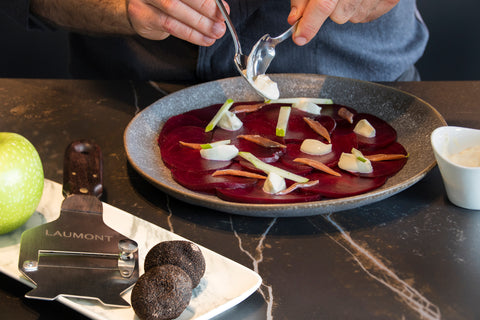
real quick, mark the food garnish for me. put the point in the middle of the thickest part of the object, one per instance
(315, 147)
(247, 108)
(266, 86)
(238, 173)
(296, 186)
(302, 100)
(229, 121)
(345, 114)
(282, 122)
(267, 168)
(274, 183)
(301, 154)
(262, 141)
(307, 106)
(224, 108)
(199, 146)
(318, 128)
(364, 128)
(355, 162)
(317, 165)
(220, 153)
(385, 157)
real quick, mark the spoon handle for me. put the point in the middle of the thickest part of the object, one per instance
(287, 34)
(228, 21)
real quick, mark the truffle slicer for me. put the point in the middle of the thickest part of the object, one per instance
(78, 255)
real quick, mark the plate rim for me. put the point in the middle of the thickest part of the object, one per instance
(280, 210)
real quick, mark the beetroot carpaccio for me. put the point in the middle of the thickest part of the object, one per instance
(190, 170)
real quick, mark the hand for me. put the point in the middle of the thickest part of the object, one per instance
(313, 14)
(197, 21)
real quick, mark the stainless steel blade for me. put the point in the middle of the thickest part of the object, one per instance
(78, 255)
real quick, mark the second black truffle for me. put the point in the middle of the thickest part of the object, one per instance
(161, 293)
(181, 253)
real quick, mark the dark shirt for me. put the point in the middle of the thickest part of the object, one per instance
(381, 50)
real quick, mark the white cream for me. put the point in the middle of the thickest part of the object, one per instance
(266, 86)
(229, 121)
(364, 128)
(220, 153)
(469, 157)
(355, 162)
(274, 183)
(315, 147)
(307, 106)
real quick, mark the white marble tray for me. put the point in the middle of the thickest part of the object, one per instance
(225, 283)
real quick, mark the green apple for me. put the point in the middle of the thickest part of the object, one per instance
(21, 180)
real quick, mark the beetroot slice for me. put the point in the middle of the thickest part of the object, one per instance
(207, 113)
(268, 114)
(340, 143)
(205, 182)
(190, 134)
(180, 121)
(204, 114)
(293, 151)
(332, 111)
(344, 186)
(385, 168)
(193, 172)
(255, 194)
(188, 159)
(262, 124)
(174, 155)
(298, 129)
(265, 154)
(385, 133)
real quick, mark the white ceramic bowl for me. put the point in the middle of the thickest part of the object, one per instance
(461, 183)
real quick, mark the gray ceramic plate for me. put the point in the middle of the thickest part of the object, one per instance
(413, 119)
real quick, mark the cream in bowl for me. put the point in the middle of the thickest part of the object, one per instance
(457, 151)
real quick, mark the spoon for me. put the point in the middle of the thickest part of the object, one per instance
(239, 59)
(263, 52)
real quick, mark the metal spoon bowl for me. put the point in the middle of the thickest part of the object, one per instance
(239, 59)
(263, 52)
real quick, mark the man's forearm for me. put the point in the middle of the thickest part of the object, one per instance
(86, 16)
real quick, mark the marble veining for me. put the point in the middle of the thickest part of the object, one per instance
(378, 271)
(135, 97)
(170, 214)
(257, 258)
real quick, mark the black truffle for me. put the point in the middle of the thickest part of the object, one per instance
(161, 293)
(184, 254)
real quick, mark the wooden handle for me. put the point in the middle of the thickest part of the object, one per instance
(82, 169)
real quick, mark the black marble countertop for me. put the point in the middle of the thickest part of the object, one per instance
(412, 256)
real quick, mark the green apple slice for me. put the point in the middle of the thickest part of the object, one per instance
(215, 144)
(211, 125)
(300, 100)
(282, 121)
(267, 168)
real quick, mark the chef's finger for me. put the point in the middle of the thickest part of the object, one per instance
(200, 21)
(379, 9)
(345, 10)
(152, 23)
(207, 8)
(313, 14)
